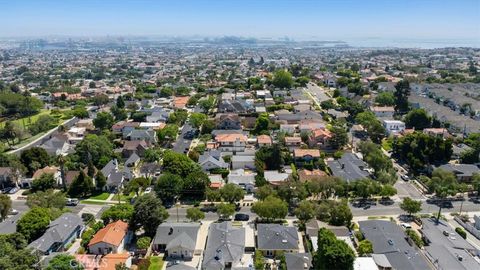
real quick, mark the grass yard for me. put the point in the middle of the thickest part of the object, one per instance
(32, 119)
(123, 197)
(156, 263)
(93, 202)
(102, 196)
(387, 144)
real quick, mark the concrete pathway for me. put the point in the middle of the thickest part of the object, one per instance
(75, 246)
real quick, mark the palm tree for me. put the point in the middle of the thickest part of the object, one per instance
(61, 161)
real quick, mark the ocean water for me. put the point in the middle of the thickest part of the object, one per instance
(413, 42)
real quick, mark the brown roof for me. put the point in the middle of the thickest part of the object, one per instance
(306, 175)
(323, 133)
(109, 261)
(112, 234)
(264, 139)
(180, 102)
(47, 169)
(133, 145)
(5, 170)
(230, 137)
(293, 139)
(306, 152)
(70, 176)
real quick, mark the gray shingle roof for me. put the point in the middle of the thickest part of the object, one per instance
(389, 239)
(276, 237)
(348, 167)
(298, 261)
(58, 231)
(177, 234)
(225, 244)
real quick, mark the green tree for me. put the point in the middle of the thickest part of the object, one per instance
(261, 124)
(282, 79)
(82, 186)
(385, 99)
(401, 96)
(225, 210)
(332, 253)
(116, 212)
(169, 186)
(44, 182)
(168, 133)
(5, 206)
(100, 99)
(120, 102)
(104, 120)
(148, 213)
(443, 184)
(34, 155)
(80, 112)
(178, 164)
(47, 199)
(411, 206)
(339, 137)
(95, 148)
(64, 262)
(195, 214)
(14, 253)
(365, 248)
(231, 193)
(100, 180)
(418, 119)
(207, 103)
(197, 119)
(34, 223)
(144, 242)
(271, 208)
(305, 211)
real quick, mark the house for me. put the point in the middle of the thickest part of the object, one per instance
(114, 177)
(336, 114)
(264, 140)
(386, 112)
(228, 121)
(445, 248)
(8, 177)
(70, 176)
(307, 175)
(133, 161)
(159, 115)
(57, 145)
(349, 167)
(313, 226)
(274, 238)
(437, 132)
(225, 246)
(231, 142)
(293, 142)
(389, 239)
(310, 125)
(142, 135)
(288, 128)
(49, 170)
(125, 127)
(134, 147)
(110, 239)
(176, 240)
(242, 162)
(319, 138)
(242, 179)
(459, 150)
(275, 178)
(107, 262)
(305, 155)
(180, 102)
(463, 172)
(234, 106)
(298, 261)
(210, 160)
(61, 232)
(284, 115)
(393, 126)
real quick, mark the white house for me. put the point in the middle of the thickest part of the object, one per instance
(231, 142)
(386, 111)
(393, 126)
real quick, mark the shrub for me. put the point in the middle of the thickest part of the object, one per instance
(259, 262)
(359, 236)
(461, 232)
(415, 237)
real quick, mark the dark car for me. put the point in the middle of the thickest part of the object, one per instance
(6, 190)
(242, 217)
(447, 204)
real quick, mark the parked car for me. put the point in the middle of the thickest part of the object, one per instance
(148, 190)
(72, 202)
(242, 217)
(13, 212)
(6, 190)
(405, 177)
(13, 190)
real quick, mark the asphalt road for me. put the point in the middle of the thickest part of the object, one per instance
(180, 214)
(394, 209)
(181, 144)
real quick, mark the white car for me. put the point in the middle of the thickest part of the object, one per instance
(406, 226)
(13, 212)
(148, 190)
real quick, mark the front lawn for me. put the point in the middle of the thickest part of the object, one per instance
(387, 144)
(156, 263)
(101, 196)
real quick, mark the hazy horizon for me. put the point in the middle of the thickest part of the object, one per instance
(299, 20)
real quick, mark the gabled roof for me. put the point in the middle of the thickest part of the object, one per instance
(306, 152)
(132, 159)
(58, 231)
(110, 167)
(348, 167)
(298, 261)
(276, 237)
(112, 234)
(225, 244)
(177, 235)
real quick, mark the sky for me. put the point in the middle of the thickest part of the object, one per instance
(298, 19)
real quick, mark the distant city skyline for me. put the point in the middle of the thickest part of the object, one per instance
(300, 20)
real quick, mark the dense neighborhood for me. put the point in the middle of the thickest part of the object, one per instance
(209, 155)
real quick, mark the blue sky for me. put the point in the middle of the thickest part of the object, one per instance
(323, 19)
